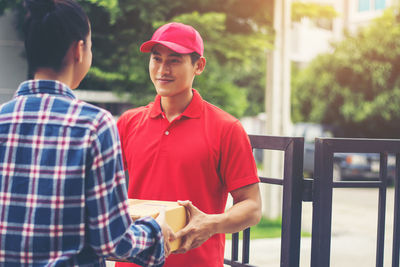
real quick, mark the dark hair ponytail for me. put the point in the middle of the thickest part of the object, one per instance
(51, 26)
(39, 8)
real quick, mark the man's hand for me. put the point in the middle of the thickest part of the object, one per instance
(168, 234)
(197, 231)
(245, 212)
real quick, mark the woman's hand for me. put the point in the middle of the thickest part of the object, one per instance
(167, 232)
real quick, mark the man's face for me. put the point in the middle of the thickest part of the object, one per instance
(171, 73)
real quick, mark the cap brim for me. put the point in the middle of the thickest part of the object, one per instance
(147, 46)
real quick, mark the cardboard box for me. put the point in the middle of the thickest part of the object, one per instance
(175, 215)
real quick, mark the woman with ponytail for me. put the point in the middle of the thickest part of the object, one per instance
(63, 199)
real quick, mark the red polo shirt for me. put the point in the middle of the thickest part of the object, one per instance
(200, 156)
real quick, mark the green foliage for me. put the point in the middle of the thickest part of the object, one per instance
(357, 86)
(236, 34)
(110, 5)
(235, 63)
(235, 39)
(312, 10)
(9, 4)
(234, 51)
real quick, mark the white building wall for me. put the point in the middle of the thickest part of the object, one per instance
(309, 40)
(357, 19)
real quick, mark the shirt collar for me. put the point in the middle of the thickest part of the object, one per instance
(44, 87)
(193, 110)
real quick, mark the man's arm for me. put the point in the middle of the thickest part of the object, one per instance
(245, 212)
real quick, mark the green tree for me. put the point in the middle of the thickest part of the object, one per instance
(357, 87)
(236, 35)
(313, 11)
(235, 65)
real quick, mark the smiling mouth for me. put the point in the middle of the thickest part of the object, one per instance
(164, 80)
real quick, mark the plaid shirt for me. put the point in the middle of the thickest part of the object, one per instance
(63, 198)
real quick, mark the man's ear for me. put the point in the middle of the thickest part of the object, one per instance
(200, 65)
(78, 49)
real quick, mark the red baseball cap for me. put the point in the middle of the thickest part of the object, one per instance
(181, 38)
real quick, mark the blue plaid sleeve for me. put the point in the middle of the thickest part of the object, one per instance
(111, 230)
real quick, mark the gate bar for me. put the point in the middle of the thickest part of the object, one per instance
(322, 205)
(292, 204)
(396, 219)
(381, 210)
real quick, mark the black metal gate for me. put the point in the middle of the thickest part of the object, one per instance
(292, 183)
(297, 189)
(324, 184)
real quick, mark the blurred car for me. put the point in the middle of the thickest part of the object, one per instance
(355, 166)
(346, 166)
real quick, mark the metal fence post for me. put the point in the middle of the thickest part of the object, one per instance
(396, 220)
(322, 205)
(292, 204)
